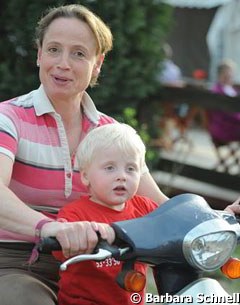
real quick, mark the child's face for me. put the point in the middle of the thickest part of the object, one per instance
(113, 177)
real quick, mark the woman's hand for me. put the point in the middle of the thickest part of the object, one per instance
(78, 237)
(105, 231)
(234, 208)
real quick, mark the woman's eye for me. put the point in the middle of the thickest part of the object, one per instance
(78, 54)
(52, 50)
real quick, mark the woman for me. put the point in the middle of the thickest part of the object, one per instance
(39, 134)
(223, 126)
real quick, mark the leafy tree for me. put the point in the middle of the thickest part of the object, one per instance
(139, 28)
(18, 71)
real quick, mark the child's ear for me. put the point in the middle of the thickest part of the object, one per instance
(84, 178)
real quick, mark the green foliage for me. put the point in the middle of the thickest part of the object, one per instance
(139, 27)
(129, 116)
(18, 71)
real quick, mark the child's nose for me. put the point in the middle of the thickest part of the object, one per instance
(121, 175)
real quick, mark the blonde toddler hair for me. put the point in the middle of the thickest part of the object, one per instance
(119, 135)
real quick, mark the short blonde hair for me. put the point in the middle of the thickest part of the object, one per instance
(101, 31)
(119, 135)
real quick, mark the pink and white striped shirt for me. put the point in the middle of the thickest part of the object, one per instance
(32, 134)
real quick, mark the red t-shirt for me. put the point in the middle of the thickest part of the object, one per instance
(93, 283)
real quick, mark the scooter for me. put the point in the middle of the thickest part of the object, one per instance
(181, 240)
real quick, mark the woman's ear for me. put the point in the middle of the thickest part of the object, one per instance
(39, 55)
(84, 178)
(98, 65)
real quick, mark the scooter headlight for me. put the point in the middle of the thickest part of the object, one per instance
(210, 251)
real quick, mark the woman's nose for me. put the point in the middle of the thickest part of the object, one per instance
(63, 61)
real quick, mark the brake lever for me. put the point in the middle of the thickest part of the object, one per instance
(101, 255)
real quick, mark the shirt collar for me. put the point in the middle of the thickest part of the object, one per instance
(41, 102)
(43, 105)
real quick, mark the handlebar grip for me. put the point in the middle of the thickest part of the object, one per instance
(49, 244)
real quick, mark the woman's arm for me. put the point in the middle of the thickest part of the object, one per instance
(14, 214)
(150, 189)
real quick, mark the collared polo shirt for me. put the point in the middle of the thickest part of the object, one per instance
(32, 134)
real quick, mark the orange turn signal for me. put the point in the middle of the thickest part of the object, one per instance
(134, 281)
(231, 268)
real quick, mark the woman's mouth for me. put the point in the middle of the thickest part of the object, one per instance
(62, 80)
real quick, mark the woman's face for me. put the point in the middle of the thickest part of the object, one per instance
(67, 59)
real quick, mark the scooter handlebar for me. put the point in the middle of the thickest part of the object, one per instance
(102, 251)
(49, 244)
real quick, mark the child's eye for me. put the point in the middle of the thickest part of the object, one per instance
(109, 168)
(131, 168)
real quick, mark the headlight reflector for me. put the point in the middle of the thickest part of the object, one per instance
(209, 252)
